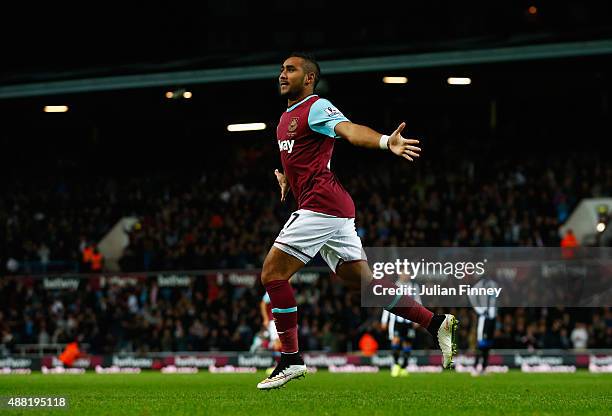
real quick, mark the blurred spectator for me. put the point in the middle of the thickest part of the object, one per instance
(329, 339)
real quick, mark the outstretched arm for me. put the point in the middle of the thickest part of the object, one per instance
(363, 136)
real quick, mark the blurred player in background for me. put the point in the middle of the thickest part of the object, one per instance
(401, 334)
(274, 344)
(265, 307)
(485, 308)
(325, 220)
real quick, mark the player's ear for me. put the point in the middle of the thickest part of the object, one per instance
(310, 77)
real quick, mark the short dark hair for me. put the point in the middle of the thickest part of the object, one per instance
(311, 64)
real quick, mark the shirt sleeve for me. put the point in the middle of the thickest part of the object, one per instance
(323, 117)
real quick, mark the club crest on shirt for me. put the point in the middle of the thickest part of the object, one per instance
(293, 124)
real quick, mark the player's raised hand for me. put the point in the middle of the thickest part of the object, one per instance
(283, 183)
(403, 147)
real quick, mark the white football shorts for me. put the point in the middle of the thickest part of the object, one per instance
(307, 233)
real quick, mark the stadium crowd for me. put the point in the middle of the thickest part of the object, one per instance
(206, 316)
(226, 219)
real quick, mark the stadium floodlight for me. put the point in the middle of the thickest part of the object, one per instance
(178, 94)
(56, 108)
(246, 127)
(459, 81)
(601, 227)
(395, 80)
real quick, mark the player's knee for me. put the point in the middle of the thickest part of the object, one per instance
(267, 270)
(354, 273)
(270, 272)
(366, 273)
(266, 275)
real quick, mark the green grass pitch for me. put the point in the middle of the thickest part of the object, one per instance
(321, 393)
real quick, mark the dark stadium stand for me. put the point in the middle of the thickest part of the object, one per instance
(199, 221)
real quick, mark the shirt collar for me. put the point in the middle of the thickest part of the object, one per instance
(296, 104)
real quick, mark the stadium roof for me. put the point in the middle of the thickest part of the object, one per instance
(369, 64)
(107, 41)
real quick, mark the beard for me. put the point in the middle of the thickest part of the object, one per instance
(289, 93)
(292, 92)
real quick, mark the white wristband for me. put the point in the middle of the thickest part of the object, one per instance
(384, 142)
